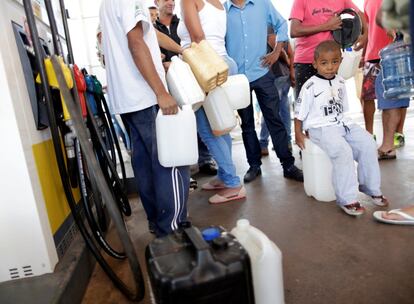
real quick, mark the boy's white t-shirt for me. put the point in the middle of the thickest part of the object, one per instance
(128, 91)
(322, 102)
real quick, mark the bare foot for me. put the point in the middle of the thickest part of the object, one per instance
(391, 216)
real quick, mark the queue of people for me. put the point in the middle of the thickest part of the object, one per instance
(252, 38)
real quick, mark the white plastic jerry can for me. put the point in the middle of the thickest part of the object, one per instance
(317, 173)
(237, 89)
(350, 63)
(177, 138)
(266, 263)
(219, 112)
(183, 85)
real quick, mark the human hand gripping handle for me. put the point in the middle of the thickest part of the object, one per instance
(167, 104)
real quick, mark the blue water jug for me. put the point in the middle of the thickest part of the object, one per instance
(397, 71)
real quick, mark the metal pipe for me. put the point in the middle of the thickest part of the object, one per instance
(71, 59)
(53, 28)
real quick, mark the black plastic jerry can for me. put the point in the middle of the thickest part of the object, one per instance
(187, 267)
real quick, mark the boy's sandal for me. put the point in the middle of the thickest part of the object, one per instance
(353, 209)
(391, 154)
(380, 200)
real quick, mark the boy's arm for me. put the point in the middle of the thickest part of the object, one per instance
(299, 135)
(302, 108)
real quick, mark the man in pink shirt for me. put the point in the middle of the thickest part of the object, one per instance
(377, 39)
(311, 23)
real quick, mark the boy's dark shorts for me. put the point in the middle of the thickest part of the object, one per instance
(303, 71)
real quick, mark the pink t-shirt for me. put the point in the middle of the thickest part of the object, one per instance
(377, 37)
(311, 13)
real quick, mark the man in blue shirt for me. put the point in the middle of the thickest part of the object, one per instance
(246, 43)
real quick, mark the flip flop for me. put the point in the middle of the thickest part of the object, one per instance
(219, 199)
(408, 219)
(380, 200)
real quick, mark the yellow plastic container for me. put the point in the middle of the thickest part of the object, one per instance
(208, 67)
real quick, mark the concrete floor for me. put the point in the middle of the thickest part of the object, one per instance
(328, 257)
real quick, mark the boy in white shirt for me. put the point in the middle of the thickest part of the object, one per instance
(319, 110)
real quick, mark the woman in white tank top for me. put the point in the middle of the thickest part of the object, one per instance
(210, 24)
(206, 19)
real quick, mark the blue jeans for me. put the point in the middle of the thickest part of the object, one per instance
(219, 146)
(268, 99)
(282, 85)
(163, 191)
(204, 156)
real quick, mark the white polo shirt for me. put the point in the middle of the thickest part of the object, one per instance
(127, 89)
(322, 103)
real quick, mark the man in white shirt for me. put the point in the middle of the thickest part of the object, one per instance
(136, 88)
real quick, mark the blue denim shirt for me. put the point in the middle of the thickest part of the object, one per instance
(246, 37)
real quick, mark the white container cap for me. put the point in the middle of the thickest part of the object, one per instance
(243, 224)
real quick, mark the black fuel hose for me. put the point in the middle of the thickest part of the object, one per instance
(103, 102)
(96, 174)
(88, 200)
(113, 180)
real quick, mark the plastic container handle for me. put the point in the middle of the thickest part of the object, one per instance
(261, 241)
(207, 267)
(196, 239)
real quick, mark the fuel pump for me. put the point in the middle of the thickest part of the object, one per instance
(74, 122)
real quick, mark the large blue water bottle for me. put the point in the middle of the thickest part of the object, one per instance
(397, 70)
